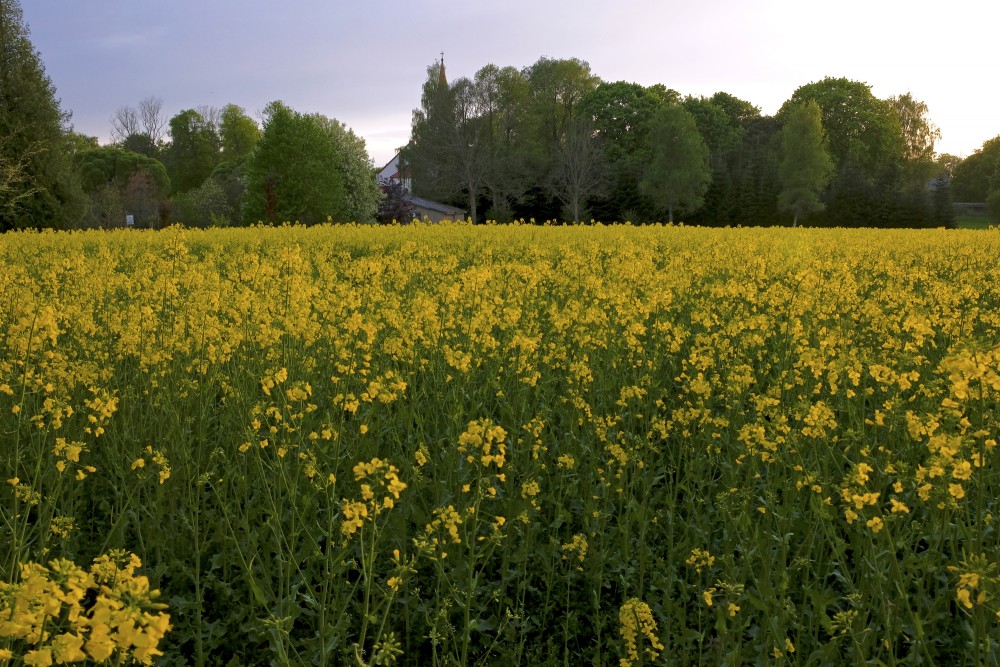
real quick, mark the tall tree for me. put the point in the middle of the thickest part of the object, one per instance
(433, 123)
(919, 133)
(863, 131)
(38, 186)
(724, 137)
(294, 172)
(974, 177)
(867, 147)
(806, 166)
(152, 118)
(193, 151)
(447, 153)
(579, 169)
(124, 123)
(678, 173)
(557, 86)
(238, 133)
(620, 113)
(503, 101)
(361, 190)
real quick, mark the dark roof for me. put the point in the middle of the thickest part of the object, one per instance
(433, 205)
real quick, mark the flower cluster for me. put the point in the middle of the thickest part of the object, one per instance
(59, 614)
(379, 488)
(636, 623)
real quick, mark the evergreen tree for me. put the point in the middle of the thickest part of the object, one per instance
(38, 185)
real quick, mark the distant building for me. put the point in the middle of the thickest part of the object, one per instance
(424, 209)
(391, 172)
(432, 211)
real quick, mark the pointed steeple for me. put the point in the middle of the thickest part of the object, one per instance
(442, 80)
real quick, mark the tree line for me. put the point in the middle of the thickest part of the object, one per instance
(553, 140)
(203, 166)
(548, 141)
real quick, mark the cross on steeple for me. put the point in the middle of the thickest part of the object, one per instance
(442, 80)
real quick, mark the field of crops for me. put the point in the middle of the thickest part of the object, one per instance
(454, 445)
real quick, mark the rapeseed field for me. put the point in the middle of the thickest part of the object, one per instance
(457, 445)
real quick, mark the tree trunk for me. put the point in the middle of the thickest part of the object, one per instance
(670, 215)
(472, 205)
(795, 219)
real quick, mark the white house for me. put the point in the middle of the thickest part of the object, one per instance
(392, 172)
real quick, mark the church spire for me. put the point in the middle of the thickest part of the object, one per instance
(442, 80)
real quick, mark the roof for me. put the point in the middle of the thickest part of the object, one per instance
(433, 205)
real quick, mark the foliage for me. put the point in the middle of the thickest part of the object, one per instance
(238, 133)
(504, 98)
(204, 206)
(433, 444)
(295, 171)
(557, 87)
(193, 150)
(395, 206)
(919, 133)
(106, 208)
(81, 142)
(38, 187)
(361, 191)
(447, 153)
(863, 132)
(621, 113)
(678, 173)
(120, 182)
(231, 177)
(143, 198)
(993, 205)
(498, 135)
(975, 176)
(100, 166)
(806, 166)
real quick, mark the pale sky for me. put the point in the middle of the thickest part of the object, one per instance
(363, 62)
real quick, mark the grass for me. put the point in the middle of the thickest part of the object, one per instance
(973, 222)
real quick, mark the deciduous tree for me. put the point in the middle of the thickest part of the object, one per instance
(503, 102)
(447, 153)
(294, 173)
(99, 166)
(806, 166)
(678, 173)
(193, 151)
(620, 113)
(238, 133)
(919, 133)
(975, 176)
(361, 190)
(863, 132)
(579, 169)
